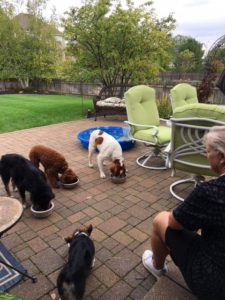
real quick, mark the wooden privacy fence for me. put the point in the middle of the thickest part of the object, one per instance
(59, 86)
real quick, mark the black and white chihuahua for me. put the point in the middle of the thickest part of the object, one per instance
(72, 278)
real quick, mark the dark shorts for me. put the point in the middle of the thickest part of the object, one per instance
(180, 243)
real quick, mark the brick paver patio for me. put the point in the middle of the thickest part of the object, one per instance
(120, 214)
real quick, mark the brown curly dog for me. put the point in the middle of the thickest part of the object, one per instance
(54, 163)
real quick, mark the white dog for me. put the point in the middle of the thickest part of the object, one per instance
(108, 148)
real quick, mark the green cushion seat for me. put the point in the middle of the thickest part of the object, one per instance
(201, 110)
(163, 136)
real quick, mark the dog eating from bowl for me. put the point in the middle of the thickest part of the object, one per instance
(55, 165)
(109, 149)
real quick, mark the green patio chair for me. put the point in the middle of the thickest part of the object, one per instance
(188, 154)
(144, 122)
(183, 94)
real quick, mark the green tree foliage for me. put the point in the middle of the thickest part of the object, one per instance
(28, 47)
(217, 58)
(186, 61)
(116, 44)
(188, 54)
(10, 38)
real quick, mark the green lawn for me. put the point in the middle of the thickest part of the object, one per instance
(20, 111)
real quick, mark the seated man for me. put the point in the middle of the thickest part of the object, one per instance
(200, 257)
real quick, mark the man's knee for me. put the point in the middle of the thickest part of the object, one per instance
(160, 222)
(161, 217)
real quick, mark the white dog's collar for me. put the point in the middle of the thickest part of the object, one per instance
(76, 234)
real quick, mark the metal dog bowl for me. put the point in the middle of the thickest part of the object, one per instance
(42, 213)
(118, 179)
(70, 186)
(121, 134)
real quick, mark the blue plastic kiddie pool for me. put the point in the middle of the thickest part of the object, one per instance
(121, 134)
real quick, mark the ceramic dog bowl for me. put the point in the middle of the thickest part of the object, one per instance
(70, 186)
(118, 179)
(42, 213)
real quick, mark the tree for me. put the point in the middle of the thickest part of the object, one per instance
(10, 46)
(186, 61)
(28, 48)
(214, 62)
(218, 58)
(187, 46)
(116, 45)
(41, 52)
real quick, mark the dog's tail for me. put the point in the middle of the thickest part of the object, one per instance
(80, 284)
(34, 159)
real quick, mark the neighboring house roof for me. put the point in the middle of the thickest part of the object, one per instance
(24, 20)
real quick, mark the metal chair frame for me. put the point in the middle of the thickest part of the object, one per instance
(156, 152)
(190, 134)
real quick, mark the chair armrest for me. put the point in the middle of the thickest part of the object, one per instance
(95, 99)
(166, 121)
(144, 126)
(140, 125)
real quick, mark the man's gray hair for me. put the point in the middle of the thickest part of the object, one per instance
(216, 138)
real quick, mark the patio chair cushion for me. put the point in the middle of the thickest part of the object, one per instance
(163, 135)
(141, 106)
(144, 122)
(183, 94)
(112, 102)
(201, 110)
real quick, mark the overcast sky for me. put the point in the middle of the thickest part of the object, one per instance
(202, 19)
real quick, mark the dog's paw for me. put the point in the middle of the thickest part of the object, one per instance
(102, 175)
(90, 165)
(57, 186)
(53, 296)
(93, 263)
(25, 205)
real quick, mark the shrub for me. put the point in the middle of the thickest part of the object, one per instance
(164, 106)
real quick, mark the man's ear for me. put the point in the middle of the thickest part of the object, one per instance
(222, 157)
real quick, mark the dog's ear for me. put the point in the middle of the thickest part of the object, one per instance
(69, 239)
(99, 140)
(89, 229)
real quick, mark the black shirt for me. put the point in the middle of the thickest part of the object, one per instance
(204, 209)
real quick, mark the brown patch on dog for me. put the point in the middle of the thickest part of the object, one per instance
(100, 132)
(87, 229)
(117, 169)
(99, 140)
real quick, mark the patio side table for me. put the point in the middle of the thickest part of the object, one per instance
(11, 211)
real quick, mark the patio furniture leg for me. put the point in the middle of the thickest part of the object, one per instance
(34, 279)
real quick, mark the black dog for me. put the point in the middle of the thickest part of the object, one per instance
(26, 177)
(72, 278)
